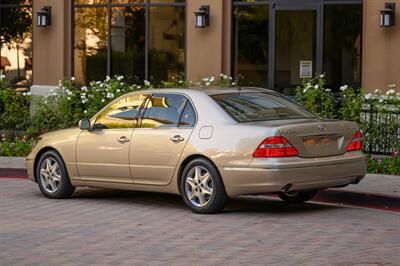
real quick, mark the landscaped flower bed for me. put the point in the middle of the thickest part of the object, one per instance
(68, 104)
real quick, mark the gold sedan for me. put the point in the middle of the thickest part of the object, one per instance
(206, 145)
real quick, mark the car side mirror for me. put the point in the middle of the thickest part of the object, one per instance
(84, 124)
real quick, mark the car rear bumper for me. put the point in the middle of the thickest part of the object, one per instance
(306, 176)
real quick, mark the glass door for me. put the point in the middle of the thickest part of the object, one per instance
(295, 45)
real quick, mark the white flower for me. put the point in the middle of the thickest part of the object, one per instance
(51, 90)
(118, 90)
(122, 83)
(377, 91)
(233, 83)
(205, 79)
(72, 78)
(103, 100)
(328, 90)
(344, 87)
(305, 90)
(316, 86)
(119, 78)
(24, 93)
(84, 88)
(322, 75)
(208, 83)
(98, 82)
(221, 75)
(2, 76)
(108, 78)
(230, 78)
(368, 96)
(139, 87)
(146, 83)
(212, 79)
(392, 91)
(381, 100)
(85, 111)
(69, 98)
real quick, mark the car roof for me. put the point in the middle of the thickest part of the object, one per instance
(209, 90)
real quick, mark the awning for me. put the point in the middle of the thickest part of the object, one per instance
(5, 62)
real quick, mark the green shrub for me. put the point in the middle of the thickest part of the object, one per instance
(387, 165)
(316, 97)
(16, 147)
(14, 108)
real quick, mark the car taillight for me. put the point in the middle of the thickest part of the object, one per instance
(356, 143)
(275, 147)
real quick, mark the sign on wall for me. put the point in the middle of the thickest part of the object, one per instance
(305, 69)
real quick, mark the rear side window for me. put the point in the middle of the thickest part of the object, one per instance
(255, 106)
(163, 110)
(188, 118)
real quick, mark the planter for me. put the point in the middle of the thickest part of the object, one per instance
(13, 162)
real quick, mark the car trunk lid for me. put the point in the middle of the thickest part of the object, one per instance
(319, 138)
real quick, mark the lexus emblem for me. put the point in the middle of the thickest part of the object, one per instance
(322, 127)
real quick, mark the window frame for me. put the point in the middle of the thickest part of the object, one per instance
(147, 4)
(320, 7)
(188, 100)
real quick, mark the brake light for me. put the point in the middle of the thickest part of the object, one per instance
(275, 147)
(356, 143)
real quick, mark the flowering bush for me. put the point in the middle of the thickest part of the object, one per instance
(387, 165)
(18, 146)
(316, 97)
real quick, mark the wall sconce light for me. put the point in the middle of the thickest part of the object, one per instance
(202, 17)
(44, 17)
(387, 15)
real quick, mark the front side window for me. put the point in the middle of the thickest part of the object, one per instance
(254, 106)
(163, 110)
(121, 114)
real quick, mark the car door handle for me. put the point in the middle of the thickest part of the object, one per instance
(177, 138)
(123, 140)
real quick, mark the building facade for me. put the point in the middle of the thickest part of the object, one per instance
(270, 44)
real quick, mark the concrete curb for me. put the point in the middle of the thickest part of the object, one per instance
(13, 162)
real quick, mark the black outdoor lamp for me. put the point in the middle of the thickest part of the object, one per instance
(202, 17)
(44, 17)
(387, 15)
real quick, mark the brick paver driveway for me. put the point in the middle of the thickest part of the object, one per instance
(105, 227)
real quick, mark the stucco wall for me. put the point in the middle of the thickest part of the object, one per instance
(51, 44)
(381, 52)
(208, 49)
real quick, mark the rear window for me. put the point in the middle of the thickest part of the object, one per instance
(255, 106)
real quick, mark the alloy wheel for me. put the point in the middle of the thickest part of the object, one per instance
(50, 175)
(199, 186)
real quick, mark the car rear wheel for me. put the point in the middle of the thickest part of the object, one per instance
(297, 197)
(202, 188)
(52, 176)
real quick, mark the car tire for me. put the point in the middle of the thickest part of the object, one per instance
(297, 197)
(202, 188)
(52, 176)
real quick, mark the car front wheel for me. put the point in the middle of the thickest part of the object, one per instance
(202, 188)
(297, 197)
(52, 176)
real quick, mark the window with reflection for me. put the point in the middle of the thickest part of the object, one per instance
(188, 118)
(167, 55)
(122, 113)
(128, 43)
(342, 45)
(154, 51)
(90, 44)
(250, 39)
(163, 110)
(16, 42)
